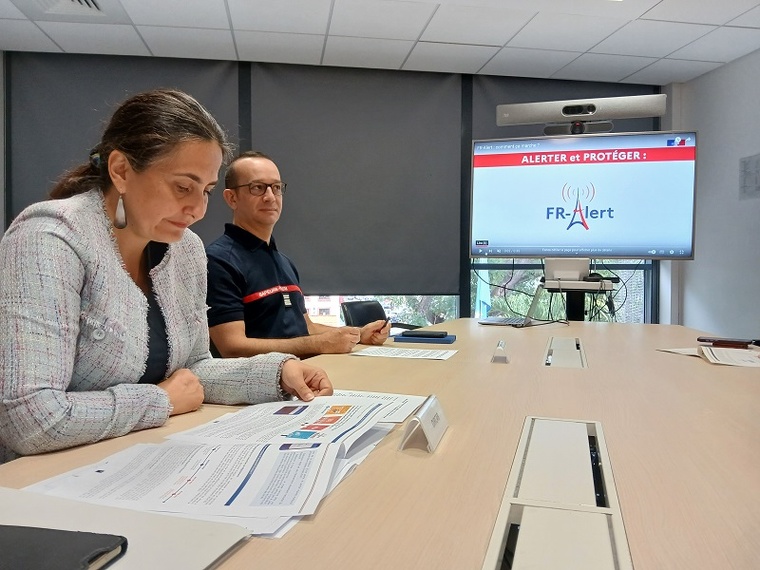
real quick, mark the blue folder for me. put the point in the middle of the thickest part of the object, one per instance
(448, 339)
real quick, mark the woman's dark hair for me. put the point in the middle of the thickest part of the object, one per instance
(145, 128)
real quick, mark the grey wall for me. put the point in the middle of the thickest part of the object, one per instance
(721, 286)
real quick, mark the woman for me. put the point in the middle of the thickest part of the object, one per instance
(102, 293)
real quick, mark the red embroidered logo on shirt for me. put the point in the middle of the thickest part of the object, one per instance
(271, 291)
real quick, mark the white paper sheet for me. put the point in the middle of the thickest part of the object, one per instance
(402, 405)
(230, 480)
(731, 356)
(388, 352)
(720, 355)
(327, 419)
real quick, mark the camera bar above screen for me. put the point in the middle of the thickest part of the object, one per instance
(623, 195)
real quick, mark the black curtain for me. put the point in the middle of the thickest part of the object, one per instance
(58, 106)
(371, 159)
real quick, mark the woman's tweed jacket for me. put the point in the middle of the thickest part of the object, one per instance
(74, 334)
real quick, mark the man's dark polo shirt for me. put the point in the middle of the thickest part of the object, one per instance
(249, 280)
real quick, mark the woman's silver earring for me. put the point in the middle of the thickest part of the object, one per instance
(120, 219)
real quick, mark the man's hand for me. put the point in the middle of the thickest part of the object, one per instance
(336, 340)
(304, 381)
(185, 391)
(375, 332)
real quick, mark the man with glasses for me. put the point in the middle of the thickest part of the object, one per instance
(255, 301)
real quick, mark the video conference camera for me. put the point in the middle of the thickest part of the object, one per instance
(580, 116)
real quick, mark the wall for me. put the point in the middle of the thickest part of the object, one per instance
(721, 286)
(716, 292)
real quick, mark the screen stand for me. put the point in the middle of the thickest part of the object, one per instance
(575, 305)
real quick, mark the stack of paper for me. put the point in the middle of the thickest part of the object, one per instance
(262, 467)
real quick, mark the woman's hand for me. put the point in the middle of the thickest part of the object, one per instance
(185, 391)
(304, 381)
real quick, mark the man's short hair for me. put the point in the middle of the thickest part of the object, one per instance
(230, 176)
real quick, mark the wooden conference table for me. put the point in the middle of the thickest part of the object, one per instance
(683, 437)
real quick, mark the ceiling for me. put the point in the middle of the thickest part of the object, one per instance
(652, 42)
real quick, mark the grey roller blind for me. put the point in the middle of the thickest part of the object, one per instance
(372, 162)
(59, 104)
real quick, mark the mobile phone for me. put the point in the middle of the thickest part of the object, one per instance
(424, 334)
(717, 341)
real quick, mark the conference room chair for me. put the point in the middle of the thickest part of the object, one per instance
(359, 313)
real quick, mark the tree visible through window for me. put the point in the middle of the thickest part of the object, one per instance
(420, 310)
(509, 291)
(506, 288)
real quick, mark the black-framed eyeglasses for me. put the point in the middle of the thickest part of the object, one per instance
(257, 188)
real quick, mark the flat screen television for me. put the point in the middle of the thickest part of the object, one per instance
(617, 195)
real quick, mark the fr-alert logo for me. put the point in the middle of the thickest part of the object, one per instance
(580, 212)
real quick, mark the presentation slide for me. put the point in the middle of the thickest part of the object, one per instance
(595, 196)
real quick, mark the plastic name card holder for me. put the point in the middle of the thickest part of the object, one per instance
(428, 423)
(500, 355)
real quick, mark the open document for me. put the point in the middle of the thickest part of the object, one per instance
(196, 478)
(258, 467)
